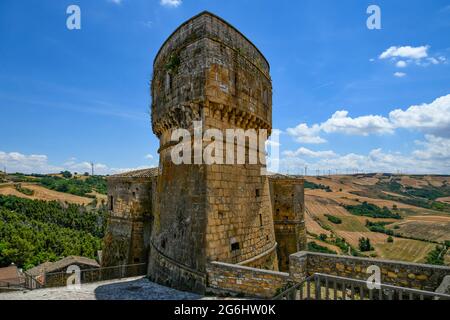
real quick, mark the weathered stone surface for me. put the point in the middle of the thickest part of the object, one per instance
(207, 70)
(130, 198)
(287, 195)
(231, 279)
(404, 274)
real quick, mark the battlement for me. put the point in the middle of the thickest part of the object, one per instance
(208, 69)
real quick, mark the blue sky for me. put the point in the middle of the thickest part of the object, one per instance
(345, 97)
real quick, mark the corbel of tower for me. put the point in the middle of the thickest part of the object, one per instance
(258, 122)
(252, 122)
(171, 119)
(232, 117)
(196, 111)
(188, 116)
(217, 112)
(222, 111)
(228, 113)
(244, 120)
(238, 118)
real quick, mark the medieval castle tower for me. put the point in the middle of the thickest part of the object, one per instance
(179, 217)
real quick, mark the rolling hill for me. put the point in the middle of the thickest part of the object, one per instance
(404, 217)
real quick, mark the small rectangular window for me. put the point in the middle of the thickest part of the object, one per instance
(111, 203)
(235, 246)
(257, 193)
(168, 84)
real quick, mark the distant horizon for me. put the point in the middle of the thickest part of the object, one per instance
(272, 173)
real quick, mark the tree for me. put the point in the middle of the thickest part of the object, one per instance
(364, 244)
(66, 174)
(390, 239)
(323, 237)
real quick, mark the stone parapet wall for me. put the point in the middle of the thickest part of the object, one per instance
(168, 272)
(239, 280)
(398, 273)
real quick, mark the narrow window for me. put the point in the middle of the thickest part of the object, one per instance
(220, 215)
(168, 86)
(111, 203)
(260, 220)
(257, 193)
(134, 194)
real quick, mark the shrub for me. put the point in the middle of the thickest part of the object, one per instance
(66, 174)
(314, 247)
(379, 227)
(23, 190)
(436, 256)
(371, 210)
(390, 239)
(364, 244)
(333, 219)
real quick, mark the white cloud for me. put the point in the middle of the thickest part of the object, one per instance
(431, 118)
(406, 52)
(432, 157)
(116, 1)
(15, 161)
(340, 122)
(305, 134)
(308, 153)
(171, 3)
(401, 64)
(399, 74)
(18, 162)
(437, 148)
(149, 157)
(407, 55)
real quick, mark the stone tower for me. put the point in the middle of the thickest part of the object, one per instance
(210, 72)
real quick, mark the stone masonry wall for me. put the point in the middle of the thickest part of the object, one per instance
(288, 205)
(239, 280)
(404, 274)
(128, 229)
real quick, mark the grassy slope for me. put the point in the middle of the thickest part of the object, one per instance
(42, 192)
(417, 222)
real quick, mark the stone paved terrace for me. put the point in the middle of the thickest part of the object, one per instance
(138, 288)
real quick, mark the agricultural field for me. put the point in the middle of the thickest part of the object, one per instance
(42, 193)
(63, 187)
(404, 217)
